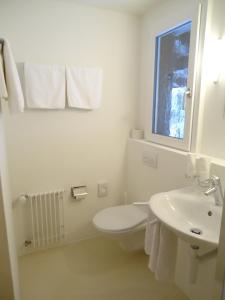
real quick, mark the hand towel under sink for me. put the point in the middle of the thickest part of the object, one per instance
(161, 246)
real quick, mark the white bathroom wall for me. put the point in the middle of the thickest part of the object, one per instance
(58, 149)
(142, 180)
(9, 280)
(212, 141)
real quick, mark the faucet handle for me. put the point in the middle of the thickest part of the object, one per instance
(217, 187)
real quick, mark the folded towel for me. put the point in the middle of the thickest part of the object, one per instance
(190, 165)
(84, 87)
(10, 86)
(44, 86)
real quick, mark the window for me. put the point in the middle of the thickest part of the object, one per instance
(172, 95)
(170, 83)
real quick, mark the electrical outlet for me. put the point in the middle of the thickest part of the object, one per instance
(102, 189)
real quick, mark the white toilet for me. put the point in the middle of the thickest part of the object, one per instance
(125, 223)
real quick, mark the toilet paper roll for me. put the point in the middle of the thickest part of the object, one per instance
(137, 134)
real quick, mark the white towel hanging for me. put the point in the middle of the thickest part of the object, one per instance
(3, 89)
(44, 86)
(10, 86)
(84, 87)
(161, 246)
(149, 232)
(167, 254)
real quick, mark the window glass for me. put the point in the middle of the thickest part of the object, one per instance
(170, 84)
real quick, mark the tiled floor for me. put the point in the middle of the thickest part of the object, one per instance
(95, 269)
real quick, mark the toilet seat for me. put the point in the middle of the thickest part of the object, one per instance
(119, 219)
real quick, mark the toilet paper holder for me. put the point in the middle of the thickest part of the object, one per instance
(79, 192)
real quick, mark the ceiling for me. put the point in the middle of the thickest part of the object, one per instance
(137, 7)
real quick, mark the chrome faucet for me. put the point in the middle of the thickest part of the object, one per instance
(215, 189)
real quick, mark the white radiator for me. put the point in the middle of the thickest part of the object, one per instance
(46, 219)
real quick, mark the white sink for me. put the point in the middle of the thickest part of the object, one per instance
(192, 216)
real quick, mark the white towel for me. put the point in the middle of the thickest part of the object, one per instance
(161, 246)
(10, 86)
(190, 165)
(3, 89)
(44, 86)
(84, 87)
(154, 245)
(149, 232)
(167, 255)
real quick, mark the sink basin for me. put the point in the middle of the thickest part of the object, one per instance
(190, 214)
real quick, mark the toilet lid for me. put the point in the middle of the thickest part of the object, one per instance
(119, 218)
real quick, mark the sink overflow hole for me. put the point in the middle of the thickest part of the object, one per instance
(210, 213)
(196, 231)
